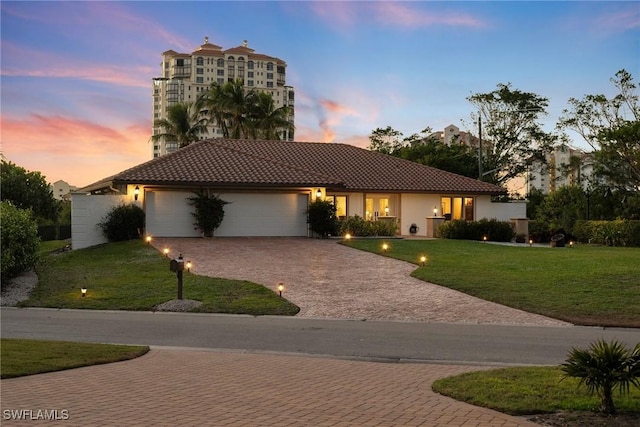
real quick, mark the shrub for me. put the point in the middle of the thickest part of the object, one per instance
(494, 230)
(358, 226)
(124, 222)
(613, 233)
(539, 231)
(321, 216)
(19, 237)
(604, 367)
(209, 212)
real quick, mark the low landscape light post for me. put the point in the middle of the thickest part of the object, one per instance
(280, 288)
(423, 260)
(83, 291)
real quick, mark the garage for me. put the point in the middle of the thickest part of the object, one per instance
(168, 214)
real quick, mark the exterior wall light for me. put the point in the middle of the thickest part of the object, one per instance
(423, 260)
(435, 211)
(136, 193)
(165, 251)
(318, 194)
(83, 291)
(385, 247)
(386, 211)
(280, 288)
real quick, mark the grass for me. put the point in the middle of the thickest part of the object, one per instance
(134, 276)
(584, 285)
(28, 357)
(529, 390)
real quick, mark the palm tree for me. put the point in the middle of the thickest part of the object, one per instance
(268, 121)
(242, 113)
(181, 125)
(604, 367)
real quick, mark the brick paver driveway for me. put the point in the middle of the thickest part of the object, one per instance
(329, 280)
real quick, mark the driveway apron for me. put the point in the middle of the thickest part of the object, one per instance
(329, 280)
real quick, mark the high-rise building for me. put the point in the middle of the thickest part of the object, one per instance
(185, 76)
(565, 166)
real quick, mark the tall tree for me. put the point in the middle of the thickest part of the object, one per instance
(385, 140)
(242, 113)
(269, 122)
(182, 125)
(611, 127)
(513, 138)
(28, 190)
(456, 158)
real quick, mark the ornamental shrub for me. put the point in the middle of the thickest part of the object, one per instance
(19, 240)
(322, 219)
(358, 226)
(612, 233)
(209, 212)
(124, 222)
(494, 230)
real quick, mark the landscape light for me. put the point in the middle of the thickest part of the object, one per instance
(83, 291)
(166, 252)
(385, 247)
(148, 239)
(530, 242)
(423, 259)
(189, 265)
(347, 236)
(484, 239)
(280, 288)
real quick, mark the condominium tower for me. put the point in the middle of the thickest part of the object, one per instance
(185, 76)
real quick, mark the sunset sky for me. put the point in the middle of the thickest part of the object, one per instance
(76, 76)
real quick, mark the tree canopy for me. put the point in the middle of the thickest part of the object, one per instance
(182, 125)
(28, 190)
(513, 138)
(611, 127)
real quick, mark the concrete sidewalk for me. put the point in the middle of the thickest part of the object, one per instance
(174, 387)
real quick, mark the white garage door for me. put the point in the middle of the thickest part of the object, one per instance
(247, 214)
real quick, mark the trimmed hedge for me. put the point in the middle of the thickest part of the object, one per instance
(124, 222)
(611, 233)
(494, 230)
(358, 226)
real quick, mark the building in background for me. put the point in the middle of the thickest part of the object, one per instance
(185, 76)
(61, 190)
(565, 166)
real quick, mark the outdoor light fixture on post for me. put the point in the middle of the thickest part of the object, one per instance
(435, 211)
(148, 239)
(385, 247)
(83, 291)
(484, 239)
(530, 242)
(386, 211)
(347, 236)
(280, 289)
(165, 251)
(423, 260)
(136, 193)
(189, 266)
(571, 244)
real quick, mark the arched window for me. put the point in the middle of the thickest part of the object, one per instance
(269, 66)
(250, 65)
(200, 61)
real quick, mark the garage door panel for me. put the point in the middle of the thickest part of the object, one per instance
(246, 215)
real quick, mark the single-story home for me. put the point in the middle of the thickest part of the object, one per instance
(269, 185)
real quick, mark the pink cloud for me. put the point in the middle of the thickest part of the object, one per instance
(77, 151)
(623, 20)
(396, 14)
(335, 107)
(28, 62)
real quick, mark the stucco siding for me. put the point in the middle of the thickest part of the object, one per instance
(86, 213)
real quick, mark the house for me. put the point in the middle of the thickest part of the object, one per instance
(269, 185)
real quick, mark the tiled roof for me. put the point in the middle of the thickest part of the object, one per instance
(251, 163)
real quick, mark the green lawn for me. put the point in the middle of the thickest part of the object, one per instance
(134, 276)
(27, 357)
(530, 390)
(584, 285)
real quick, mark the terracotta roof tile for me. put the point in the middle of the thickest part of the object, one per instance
(250, 163)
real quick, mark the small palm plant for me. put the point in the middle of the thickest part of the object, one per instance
(604, 367)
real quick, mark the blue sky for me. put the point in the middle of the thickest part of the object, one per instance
(76, 76)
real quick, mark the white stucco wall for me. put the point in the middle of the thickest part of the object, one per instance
(500, 211)
(415, 208)
(86, 213)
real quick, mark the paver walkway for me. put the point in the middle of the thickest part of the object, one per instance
(169, 387)
(328, 280)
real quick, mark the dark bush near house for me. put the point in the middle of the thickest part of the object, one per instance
(19, 240)
(124, 222)
(358, 226)
(611, 233)
(209, 212)
(494, 230)
(539, 231)
(322, 219)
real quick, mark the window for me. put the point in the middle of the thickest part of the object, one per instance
(250, 65)
(269, 84)
(269, 66)
(199, 79)
(200, 61)
(220, 81)
(250, 74)
(270, 75)
(340, 203)
(220, 62)
(199, 71)
(180, 62)
(457, 208)
(249, 82)
(221, 72)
